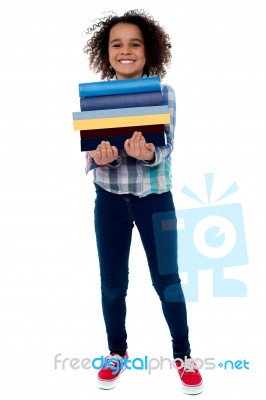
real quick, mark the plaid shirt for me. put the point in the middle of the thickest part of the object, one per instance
(128, 175)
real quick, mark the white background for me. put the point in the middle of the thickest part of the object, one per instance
(50, 290)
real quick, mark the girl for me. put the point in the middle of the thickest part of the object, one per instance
(131, 185)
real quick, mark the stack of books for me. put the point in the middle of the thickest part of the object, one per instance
(114, 110)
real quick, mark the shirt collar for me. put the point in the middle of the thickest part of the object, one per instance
(114, 78)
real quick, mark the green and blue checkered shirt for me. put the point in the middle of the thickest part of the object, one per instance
(140, 178)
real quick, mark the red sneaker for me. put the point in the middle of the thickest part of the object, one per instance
(109, 374)
(191, 379)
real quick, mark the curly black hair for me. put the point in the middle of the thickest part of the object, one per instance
(156, 41)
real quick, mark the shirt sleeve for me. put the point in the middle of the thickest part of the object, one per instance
(164, 152)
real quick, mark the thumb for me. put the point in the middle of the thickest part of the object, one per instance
(150, 146)
(126, 144)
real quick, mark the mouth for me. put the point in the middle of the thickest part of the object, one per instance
(126, 61)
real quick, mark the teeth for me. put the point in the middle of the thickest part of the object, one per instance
(126, 61)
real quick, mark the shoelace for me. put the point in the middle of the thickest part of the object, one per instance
(113, 363)
(190, 366)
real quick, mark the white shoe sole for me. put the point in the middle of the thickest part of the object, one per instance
(192, 389)
(110, 384)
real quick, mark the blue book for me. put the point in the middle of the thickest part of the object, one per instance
(120, 112)
(123, 86)
(121, 101)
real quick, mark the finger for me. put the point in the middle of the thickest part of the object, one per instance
(98, 152)
(104, 151)
(135, 135)
(137, 146)
(143, 149)
(143, 138)
(126, 145)
(115, 152)
(130, 144)
(109, 151)
(134, 146)
(138, 137)
(103, 146)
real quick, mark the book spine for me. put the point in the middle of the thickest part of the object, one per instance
(121, 101)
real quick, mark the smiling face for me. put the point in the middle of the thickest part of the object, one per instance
(126, 51)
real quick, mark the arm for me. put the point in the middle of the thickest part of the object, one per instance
(164, 152)
(150, 155)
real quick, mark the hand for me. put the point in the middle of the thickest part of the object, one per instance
(104, 154)
(137, 147)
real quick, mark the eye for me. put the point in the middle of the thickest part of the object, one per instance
(135, 44)
(116, 45)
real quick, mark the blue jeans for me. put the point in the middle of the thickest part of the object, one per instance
(115, 216)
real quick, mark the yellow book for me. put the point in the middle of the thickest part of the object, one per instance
(117, 122)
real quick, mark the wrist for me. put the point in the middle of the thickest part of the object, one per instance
(151, 157)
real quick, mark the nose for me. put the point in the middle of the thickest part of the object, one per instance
(126, 50)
